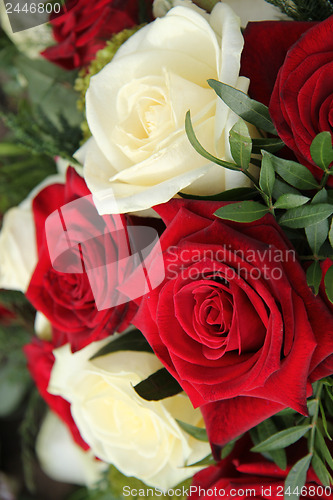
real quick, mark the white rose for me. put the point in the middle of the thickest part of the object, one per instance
(62, 459)
(18, 249)
(141, 438)
(139, 154)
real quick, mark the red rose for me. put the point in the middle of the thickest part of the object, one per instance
(274, 38)
(302, 101)
(40, 362)
(66, 298)
(244, 474)
(84, 27)
(234, 320)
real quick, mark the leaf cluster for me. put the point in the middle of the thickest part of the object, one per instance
(287, 190)
(36, 132)
(273, 436)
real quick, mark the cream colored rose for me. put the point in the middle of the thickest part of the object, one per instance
(139, 154)
(141, 438)
(62, 459)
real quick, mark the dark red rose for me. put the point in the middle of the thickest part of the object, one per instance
(234, 320)
(84, 28)
(40, 362)
(244, 474)
(64, 294)
(302, 101)
(266, 44)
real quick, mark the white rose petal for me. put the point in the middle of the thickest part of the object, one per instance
(139, 154)
(161, 7)
(62, 459)
(43, 327)
(141, 438)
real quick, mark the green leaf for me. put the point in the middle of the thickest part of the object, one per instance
(322, 449)
(200, 149)
(266, 429)
(282, 439)
(272, 145)
(245, 211)
(159, 385)
(294, 173)
(321, 150)
(227, 449)
(313, 276)
(297, 477)
(321, 471)
(51, 88)
(197, 432)
(312, 406)
(207, 5)
(235, 194)
(286, 411)
(330, 234)
(250, 110)
(316, 235)
(267, 175)
(324, 420)
(281, 188)
(306, 215)
(206, 461)
(13, 388)
(130, 341)
(329, 283)
(320, 197)
(240, 144)
(291, 201)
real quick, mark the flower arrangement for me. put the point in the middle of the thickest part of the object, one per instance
(166, 261)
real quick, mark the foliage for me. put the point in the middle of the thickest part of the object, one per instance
(111, 488)
(288, 190)
(305, 10)
(33, 129)
(20, 172)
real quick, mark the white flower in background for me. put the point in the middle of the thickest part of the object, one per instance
(256, 10)
(62, 459)
(139, 154)
(141, 438)
(30, 41)
(43, 327)
(247, 10)
(18, 248)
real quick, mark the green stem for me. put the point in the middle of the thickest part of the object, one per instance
(252, 179)
(323, 181)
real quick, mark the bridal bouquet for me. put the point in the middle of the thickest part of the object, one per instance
(166, 250)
